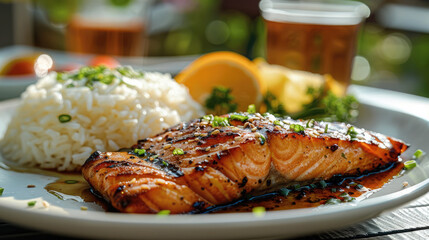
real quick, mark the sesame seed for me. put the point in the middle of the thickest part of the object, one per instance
(254, 129)
(160, 181)
(215, 132)
(45, 204)
(238, 138)
(207, 149)
(167, 146)
(83, 208)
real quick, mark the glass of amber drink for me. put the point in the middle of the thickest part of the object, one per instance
(101, 27)
(319, 37)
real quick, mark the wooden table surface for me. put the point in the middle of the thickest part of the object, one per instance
(408, 222)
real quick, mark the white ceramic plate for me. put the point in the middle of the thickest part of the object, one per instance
(394, 114)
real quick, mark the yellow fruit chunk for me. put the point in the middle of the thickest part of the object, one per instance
(226, 69)
(290, 86)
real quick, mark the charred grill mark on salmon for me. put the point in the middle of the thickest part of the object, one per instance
(202, 163)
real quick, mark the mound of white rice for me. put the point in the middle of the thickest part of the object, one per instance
(104, 117)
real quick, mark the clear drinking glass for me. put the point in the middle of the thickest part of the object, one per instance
(319, 37)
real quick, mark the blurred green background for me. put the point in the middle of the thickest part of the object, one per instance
(393, 50)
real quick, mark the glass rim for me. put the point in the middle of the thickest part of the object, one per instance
(315, 12)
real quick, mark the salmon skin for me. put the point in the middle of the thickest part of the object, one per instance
(217, 160)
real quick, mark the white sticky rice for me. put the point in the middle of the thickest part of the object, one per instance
(105, 118)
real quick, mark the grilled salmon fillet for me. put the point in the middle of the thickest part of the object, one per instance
(216, 160)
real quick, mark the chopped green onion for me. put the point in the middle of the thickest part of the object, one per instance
(334, 190)
(258, 211)
(178, 151)
(410, 164)
(296, 186)
(352, 133)
(220, 122)
(323, 184)
(310, 123)
(238, 117)
(343, 155)
(164, 212)
(262, 139)
(251, 108)
(333, 201)
(313, 185)
(297, 128)
(326, 128)
(277, 122)
(31, 203)
(418, 154)
(139, 151)
(208, 118)
(343, 195)
(63, 118)
(359, 186)
(284, 191)
(1, 191)
(71, 181)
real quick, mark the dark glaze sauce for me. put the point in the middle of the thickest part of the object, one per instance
(72, 186)
(349, 189)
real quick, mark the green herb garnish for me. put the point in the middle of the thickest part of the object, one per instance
(31, 203)
(251, 109)
(417, 154)
(352, 133)
(277, 122)
(273, 105)
(178, 151)
(323, 184)
(139, 152)
(344, 195)
(258, 211)
(284, 191)
(310, 123)
(343, 155)
(329, 107)
(63, 118)
(410, 164)
(220, 121)
(129, 72)
(297, 128)
(333, 201)
(163, 213)
(262, 139)
(238, 117)
(71, 181)
(296, 186)
(102, 74)
(208, 118)
(326, 128)
(1, 191)
(220, 101)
